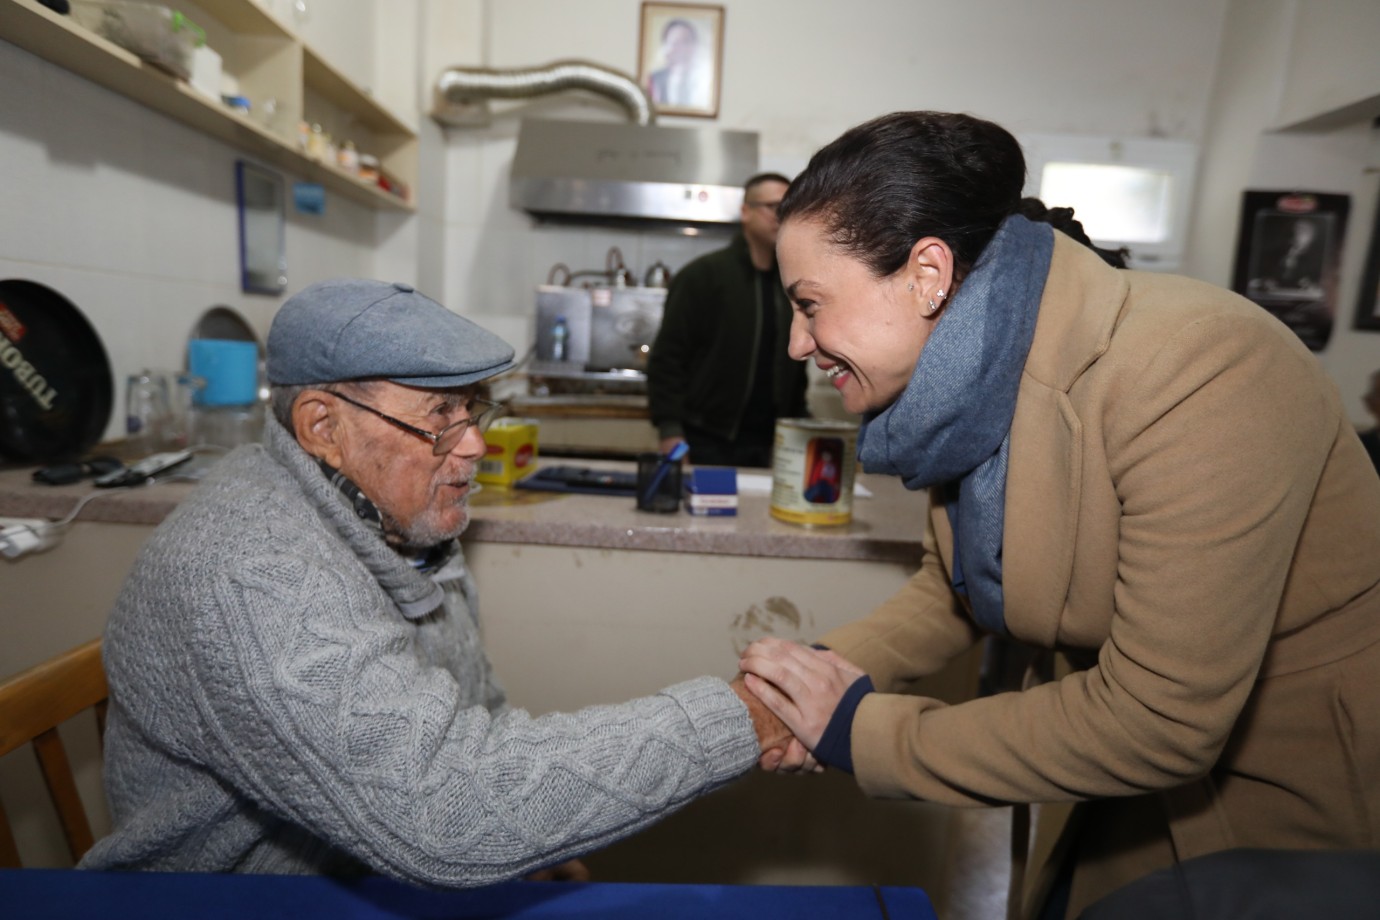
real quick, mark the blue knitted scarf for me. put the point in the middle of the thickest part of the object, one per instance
(951, 426)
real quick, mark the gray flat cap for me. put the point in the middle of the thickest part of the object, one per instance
(351, 328)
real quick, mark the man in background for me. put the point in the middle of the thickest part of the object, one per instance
(719, 376)
(297, 681)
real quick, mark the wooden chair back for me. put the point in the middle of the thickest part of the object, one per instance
(32, 705)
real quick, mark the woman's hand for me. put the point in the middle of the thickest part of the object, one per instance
(801, 685)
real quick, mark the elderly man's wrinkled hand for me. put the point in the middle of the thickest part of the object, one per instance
(773, 737)
(794, 758)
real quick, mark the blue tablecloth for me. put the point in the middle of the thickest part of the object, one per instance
(56, 894)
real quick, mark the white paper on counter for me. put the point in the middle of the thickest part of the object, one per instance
(760, 484)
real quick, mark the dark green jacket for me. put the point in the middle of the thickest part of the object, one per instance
(704, 357)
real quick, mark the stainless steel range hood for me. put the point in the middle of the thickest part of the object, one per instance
(600, 172)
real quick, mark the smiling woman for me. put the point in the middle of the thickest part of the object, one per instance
(864, 332)
(1136, 471)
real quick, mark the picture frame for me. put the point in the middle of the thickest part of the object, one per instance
(1368, 301)
(260, 194)
(1289, 251)
(680, 57)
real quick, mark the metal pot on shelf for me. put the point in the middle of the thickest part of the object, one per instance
(658, 275)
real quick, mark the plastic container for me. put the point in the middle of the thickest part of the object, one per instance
(206, 72)
(369, 168)
(230, 368)
(560, 335)
(510, 451)
(159, 34)
(347, 157)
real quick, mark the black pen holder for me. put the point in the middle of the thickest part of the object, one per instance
(659, 483)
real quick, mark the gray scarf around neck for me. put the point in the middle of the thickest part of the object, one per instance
(951, 426)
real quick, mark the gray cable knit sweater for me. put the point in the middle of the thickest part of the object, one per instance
(289, 695)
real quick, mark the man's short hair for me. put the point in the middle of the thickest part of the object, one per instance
(758, 179)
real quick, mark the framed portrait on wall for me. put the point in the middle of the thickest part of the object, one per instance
(1288, 254)
(1368, 302)
(680, 57)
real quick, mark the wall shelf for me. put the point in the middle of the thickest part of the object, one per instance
(268, 60)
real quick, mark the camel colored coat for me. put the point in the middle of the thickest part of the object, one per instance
(1192, 520)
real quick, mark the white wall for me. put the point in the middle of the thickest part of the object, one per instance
(132, 217)
(1333, 65)
(1254, 87)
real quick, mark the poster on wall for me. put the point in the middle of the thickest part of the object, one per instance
(1288, 254)
(680, 57)
(1368, 303)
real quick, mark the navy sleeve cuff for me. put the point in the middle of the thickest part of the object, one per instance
(835, 748)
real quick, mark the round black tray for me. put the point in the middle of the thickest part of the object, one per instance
(55, 383)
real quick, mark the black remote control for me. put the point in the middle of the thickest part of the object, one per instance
(144, 470)
(61, 474)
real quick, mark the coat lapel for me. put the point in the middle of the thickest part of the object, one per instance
(1078, 311)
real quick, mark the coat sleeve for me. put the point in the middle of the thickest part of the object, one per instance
(327, 719)
(1202, 564)
(914, 633)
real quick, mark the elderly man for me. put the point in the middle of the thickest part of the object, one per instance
(297, 680)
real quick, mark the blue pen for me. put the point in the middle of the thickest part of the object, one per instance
(662, 468)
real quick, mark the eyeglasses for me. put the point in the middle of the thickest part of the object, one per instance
(773, 205)
(443, 441)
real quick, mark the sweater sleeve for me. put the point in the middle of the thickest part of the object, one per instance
(317, 710)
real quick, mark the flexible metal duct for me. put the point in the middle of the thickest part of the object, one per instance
(462, 90)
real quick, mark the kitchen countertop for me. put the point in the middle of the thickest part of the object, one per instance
(580, 405)
(886, 527)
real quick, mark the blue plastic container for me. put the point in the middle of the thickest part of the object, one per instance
(230, 368)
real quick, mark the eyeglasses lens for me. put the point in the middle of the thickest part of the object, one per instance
(451, 435)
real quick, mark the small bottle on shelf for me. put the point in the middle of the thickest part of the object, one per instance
(348, 158)
(369, 168)
(560, 336)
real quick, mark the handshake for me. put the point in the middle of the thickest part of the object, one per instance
(791, 691)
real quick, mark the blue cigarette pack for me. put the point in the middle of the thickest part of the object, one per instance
(713, 491)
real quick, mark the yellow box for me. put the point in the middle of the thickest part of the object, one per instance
(512, 451)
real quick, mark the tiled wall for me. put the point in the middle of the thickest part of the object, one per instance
(131, 216)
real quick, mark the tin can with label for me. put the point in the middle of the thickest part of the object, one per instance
(813, 465)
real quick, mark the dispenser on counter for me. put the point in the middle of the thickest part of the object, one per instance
(598, 332)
